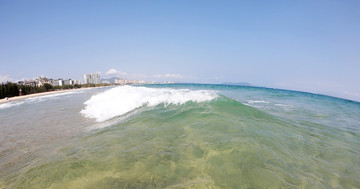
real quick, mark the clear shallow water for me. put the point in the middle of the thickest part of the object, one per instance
(180, 136)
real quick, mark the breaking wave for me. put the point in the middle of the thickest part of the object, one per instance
(121, 100)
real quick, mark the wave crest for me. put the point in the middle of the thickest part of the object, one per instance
(121, 100)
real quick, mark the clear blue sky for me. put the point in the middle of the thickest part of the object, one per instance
(304, 45)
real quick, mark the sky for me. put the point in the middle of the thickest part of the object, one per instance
(307, 45)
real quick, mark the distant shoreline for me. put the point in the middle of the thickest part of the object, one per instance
(16, 98)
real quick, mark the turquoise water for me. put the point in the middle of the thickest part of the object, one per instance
(180, 136)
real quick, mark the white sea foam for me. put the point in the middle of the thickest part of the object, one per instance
(9, 104)
(281, 105)
(258, 101)
(121, 100)
(52, 96)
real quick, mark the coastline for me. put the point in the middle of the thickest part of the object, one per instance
(16, 98)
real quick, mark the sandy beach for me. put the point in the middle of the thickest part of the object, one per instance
(16, 98)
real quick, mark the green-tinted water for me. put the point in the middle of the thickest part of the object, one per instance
(220, 143)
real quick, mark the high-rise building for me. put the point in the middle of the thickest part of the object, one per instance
(93, 78)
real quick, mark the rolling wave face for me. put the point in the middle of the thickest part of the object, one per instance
(124, 99)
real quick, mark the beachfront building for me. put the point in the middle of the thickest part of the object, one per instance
(31, 83)
(75, 81)
(69, 82)
(128, 82)
(120, 81)
(93, 78)
(57, 82)
(40, 81)
(61, 82)
(132, 82)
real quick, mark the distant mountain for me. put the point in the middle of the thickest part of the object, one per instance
(237, 83)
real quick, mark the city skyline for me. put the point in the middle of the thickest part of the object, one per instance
(92, 78)
(307, 46)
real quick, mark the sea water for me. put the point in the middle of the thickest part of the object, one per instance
(180, 136)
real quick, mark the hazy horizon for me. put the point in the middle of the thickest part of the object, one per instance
(307, 46)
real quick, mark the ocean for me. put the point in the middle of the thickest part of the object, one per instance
(180, 136)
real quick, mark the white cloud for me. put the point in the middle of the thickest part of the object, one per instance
(5, 78)
(113, 71)
(176, 76)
